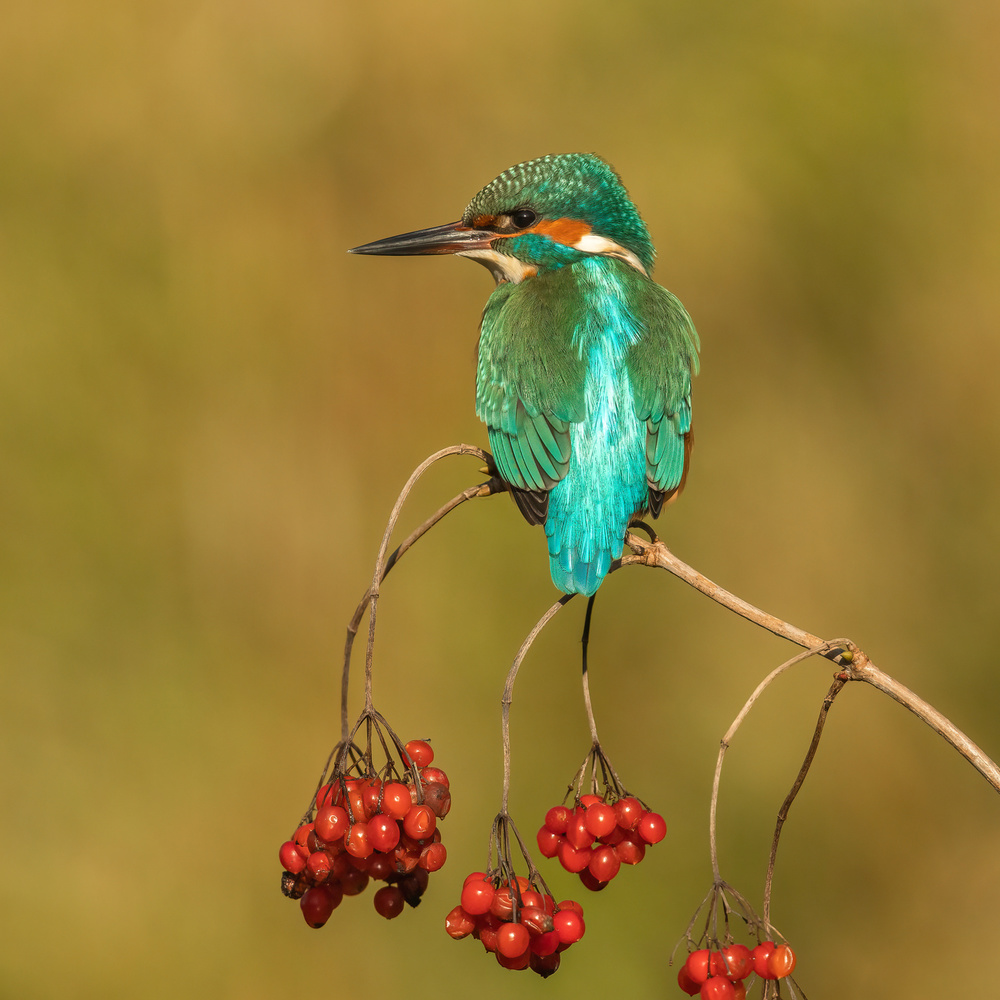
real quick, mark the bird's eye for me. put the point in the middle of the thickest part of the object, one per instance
(522, 218)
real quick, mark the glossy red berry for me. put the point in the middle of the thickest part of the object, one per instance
(512, 939)
(433, 857)
(717, 988)
(600, 820)
(548, 842)
(652, 828)
(604, 864)
(383, 832)
(568, 925)
(319, 902)
(630, 852)
(577, 833)
(737, 961)
(698, 965)
(628, 812)
(477, 896)
(557, 818)
(420, 822)
(389, 901)
(572, 859)
(418, 751)
(459, 924)
(686, 983)
(396, 800)
(781, 962)
(761, 954)
(291, 857)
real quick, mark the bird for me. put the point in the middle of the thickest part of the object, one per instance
(585, 363)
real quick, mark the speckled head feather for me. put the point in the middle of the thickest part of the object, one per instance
(569, 186)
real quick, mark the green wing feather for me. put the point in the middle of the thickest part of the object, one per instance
(530, 382)
(660, 366)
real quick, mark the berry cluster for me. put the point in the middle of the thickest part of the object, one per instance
(366, 828)
(599, 835)
(719, 975)
(524, 928)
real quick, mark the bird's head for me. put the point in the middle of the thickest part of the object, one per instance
(538, 216)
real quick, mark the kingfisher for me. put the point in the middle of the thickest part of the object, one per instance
(585, 363)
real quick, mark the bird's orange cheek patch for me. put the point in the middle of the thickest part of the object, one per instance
(566, 231)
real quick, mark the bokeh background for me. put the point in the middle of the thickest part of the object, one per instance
(207, 408)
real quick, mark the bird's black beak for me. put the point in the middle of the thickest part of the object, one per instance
(450, 238)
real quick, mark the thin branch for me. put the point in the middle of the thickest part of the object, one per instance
(835, 689)
(508, 691)
(724, 743)
(380, 562)
(856, 664)
(489, 488)
(858, 667)
(585, 644)
(657, 554)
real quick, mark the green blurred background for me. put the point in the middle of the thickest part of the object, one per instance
(207, 407)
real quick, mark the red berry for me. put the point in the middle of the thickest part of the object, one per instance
(697, 965)
(319, 902)
(604, 864)
(780, 962)
(388, 901)
(558, 818)
(568, 925)
(353, 882)
(459, 924)
(433, 857)
(600, 820)
(301, 837)
(477, 896)
(434, 774)
(536, 920)
(512, 940)
(396, 800)
(437, 798)
(544, 965)
(574, 860)
(686, 983)
(577, 833)
(326, 795)
(760, 956)
(381, 867)
(628, 812)
(738, 961)
(629, 851)
(589, 800)
(418, 751)
(652, 828)
(545, 944)
(383, 833)
(371, 794)
(616, 835)
(548, 842)
(717, 988)
(331, 823)
(503, 903)
(291, 858)
(518, 963)
(357, 842)
(318, 865)
(591, 883)
(419, 822)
